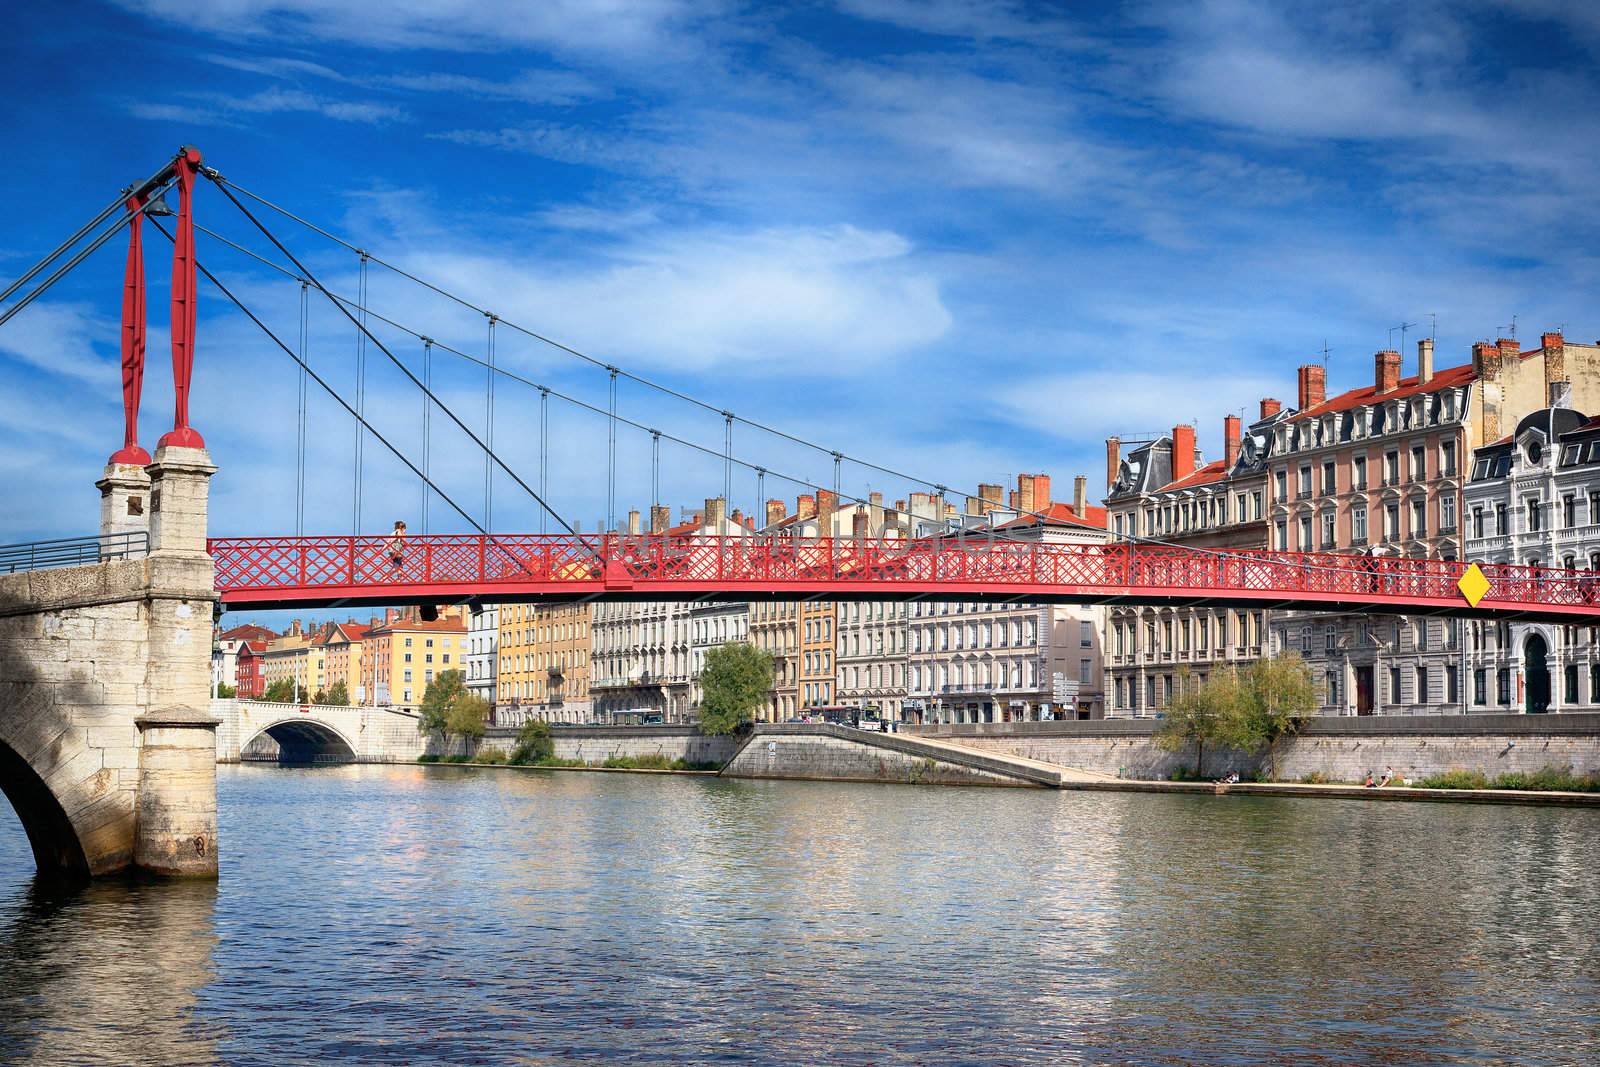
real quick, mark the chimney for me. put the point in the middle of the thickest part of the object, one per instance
(1425, 360)
(1182, 452)
(1041, 492)
(1386, 371)
(859, 523)
(1555, 361)
(1024, 498)
(1486, 361)
(950, 511)
(294, 628)
(1080, 496)
(827, 505)
(974, 506)
(1270, 407)
(716, 514)
(1011, 500)
(633, 523)
(737, 518)
(390, 616)
(989, 494)
(1230, 441)
(1313, 386)
(1509, 349)
(660, 518)
(1113, 460)
(775, 512)
(875, 511)
(805, 506)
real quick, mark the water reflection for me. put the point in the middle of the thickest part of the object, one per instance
(107, 973)
(407, 913)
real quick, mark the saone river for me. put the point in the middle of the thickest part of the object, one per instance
(412, 915)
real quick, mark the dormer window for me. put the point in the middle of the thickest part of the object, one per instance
(1534, 452)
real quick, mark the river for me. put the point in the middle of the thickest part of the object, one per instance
(451, 915)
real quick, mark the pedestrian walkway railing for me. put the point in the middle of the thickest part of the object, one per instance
(73, 551)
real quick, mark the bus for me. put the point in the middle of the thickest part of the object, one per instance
(638, 717)
(866, 718)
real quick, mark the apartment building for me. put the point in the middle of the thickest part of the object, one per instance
(483, 638)
(294, 656)
(341, 657)
(1533, 498)
(1163, 490)
(225, 651)
(542, 654)
(872, 640)
(403, 653)
(712, 625)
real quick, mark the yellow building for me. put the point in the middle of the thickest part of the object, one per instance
(543, 669)
(817, 686)
(294, 656)
(401, 655)
(341, 657)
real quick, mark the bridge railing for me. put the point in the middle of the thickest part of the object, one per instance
(637, 563)
(73, 551)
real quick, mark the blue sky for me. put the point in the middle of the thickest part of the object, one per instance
(963, 240)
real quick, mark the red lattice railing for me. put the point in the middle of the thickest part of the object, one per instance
(289, 570)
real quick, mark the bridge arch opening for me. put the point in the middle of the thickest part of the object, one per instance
(57, 851)
(298, 741)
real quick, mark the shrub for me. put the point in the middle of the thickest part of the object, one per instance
(427, 759)
(1316, 778)
(490, 755)
(554, 761)
(457, 758)
(1549, 778)
(1455, 779)
(1183, 774)
(655, 761)
(534, 744)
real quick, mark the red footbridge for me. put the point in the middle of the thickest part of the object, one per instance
(305, 572)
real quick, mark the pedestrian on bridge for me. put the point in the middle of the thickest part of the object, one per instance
(397, 545)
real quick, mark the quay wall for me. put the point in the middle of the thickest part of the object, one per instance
(596, 744)
(1342, 749)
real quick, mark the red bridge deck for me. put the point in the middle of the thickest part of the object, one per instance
(266, 572)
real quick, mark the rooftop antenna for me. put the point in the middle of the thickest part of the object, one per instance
(1512, 329)
(1325, 351)
(1403, 327)
(1433, 329)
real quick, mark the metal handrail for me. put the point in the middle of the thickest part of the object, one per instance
(73, 551)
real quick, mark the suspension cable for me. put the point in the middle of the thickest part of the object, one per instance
(488, 417)
(361, 393)
(611, 455)
(544, 453)
(393, 359)
(427, 417)
(300, 457)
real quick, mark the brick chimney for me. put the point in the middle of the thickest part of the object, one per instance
(1313, 386)
(991, 495)
(1182, 452)
(805, 506)
(974, 506)
(294, 627)
(1011, 500)
(1555, 360)
(1386, 371)
(1509, 349)
(827, 505)
(875, 511)
(1486, 361)
(775, 512)
(660, 518)
(1425, 360)
(860, 523)
(1080, 496)
(737, 518)
(1041, 492)
(1024, 498)
(1230, 441)
(633, 523)
(716, 514)
(1113, 460)
(1270, 407)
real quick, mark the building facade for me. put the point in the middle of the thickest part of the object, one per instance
(401, 655)
(543, 653)
(483, 638)
(775, 630)
(341, 657)
(872, 656)
(1533, 498)
(1164, 491)
(712, 625)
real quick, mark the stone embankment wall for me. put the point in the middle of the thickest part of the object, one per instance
(1343, 749)
(836, 753)
(596, 744)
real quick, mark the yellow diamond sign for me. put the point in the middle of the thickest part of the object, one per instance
(1473, 584)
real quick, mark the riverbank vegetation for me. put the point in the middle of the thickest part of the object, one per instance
(1544, 780)
(1250, 710)
(735, 681)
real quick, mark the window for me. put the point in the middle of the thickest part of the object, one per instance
(1283, 535)
(1085, 634)
(1480, 695)
(1255, 509)
(1330, 483)
(1569, 511)
(1084, 667)
(1571, 688)
(1394, 685)
(1330, 639)
(1419, 518)
(1305, 640)
(1422, 685)
(1500, 519)
(1419, 463)
(1327, 529)
(1358, 472)
(1477, 522)
(1447, 459)
(1303, 485)
(1282, 478)
(1358, 525)
(1391, 468)
(1502, 684)
(1535, 515)
(1452, 682)
(1305, 533)
(1447, 512)
(1594, 683)
(1391, 522)
(1331, 688)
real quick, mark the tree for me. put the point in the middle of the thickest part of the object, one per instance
(1200, 715)
(434, 714)
(1276, 696)
(280, 692)
(320, 697)
(735, 680)
(339, 694)
(534, 743)
(224, 690)
(466, 718)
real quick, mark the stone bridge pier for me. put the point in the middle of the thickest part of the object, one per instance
(107, 743)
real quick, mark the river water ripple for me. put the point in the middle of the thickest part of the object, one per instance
(445, 915)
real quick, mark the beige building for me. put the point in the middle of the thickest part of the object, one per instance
(543, 663)
(296, 656)
(340, 643)
(872, 656)
(401, 655)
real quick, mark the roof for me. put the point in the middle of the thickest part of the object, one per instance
(1215, 471)
(1412, 386)
(453, 626)
(350, 631)
(249, 631)
(1063, 514)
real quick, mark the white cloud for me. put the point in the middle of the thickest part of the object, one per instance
(61, 339)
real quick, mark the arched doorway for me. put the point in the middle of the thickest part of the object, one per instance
(298, 741)
(1536, 675)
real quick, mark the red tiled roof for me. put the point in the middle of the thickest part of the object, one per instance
(1214, 471)
(438, 625)
(249, 631)
(1064, 514)
(1445, 379)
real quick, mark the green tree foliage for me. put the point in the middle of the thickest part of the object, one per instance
(735, 681)
(224, 690)
(1201, 715)
(320, 697)
(433, 717)
(339, 694)
(466, 718)
(534, 743)
(1275, 697)
(280, 692)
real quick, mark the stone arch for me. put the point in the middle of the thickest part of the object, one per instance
(304, 740)
(57, 847)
